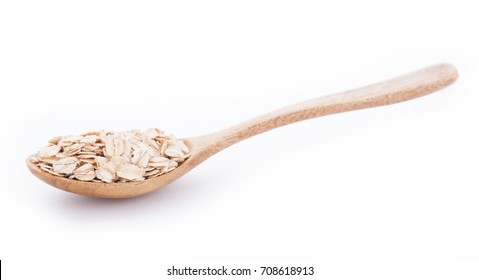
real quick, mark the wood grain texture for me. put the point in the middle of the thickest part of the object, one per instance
(396, 90)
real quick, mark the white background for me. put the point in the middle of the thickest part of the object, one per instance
(385, 193)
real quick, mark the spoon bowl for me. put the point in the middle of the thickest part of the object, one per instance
(118, 190)
(409, 86)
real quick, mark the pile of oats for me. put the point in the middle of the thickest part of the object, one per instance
(112, 156)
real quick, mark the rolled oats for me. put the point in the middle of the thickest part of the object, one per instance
(106, 156)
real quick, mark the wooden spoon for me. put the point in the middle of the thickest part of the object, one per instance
(400, 89)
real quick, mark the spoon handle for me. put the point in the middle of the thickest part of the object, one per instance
(409, 86)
